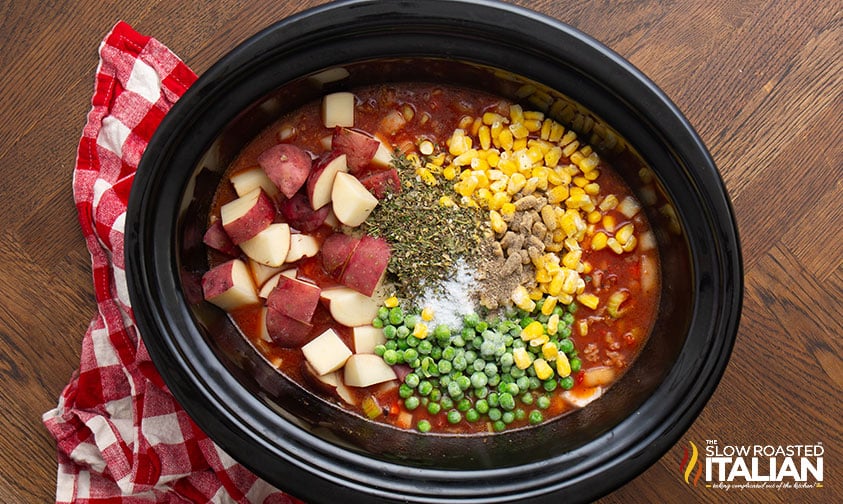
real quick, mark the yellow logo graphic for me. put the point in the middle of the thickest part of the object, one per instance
(690, 461)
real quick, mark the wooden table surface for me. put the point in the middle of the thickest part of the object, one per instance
(762, 81)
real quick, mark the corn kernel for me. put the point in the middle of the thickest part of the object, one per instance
(521, 298)
(592, 175)
(450, 172)
(556, 132)
(547, 125)
(592, 189)
(543, 369)
(557, 194)
(420, 330)
(572, 223)
(553, 324)
(516, 113)
(427, 314)
(543, 276)
(492, 158)
(593, 217)
(550, 350)
(563, 365)
(465, 158)
(484, 134)
(468, 202)
(507, 209)
(576, 158)
(497, 222)
(533, 330)
(426, 176)
(516, 183)
(458, 143)
(555, 286)
(583, 327)
(570, 281)
(599, 241)
(519, 130)
(426, 147)
(466, 187)
(565, 298)
(505, 139)
(572, 259)
(490, 118)
(519, 144)
(580, 181)
(625, 233)
(532, 125)
(630, 244)
(549, 305)
(589, 163)
(498, 199)
(390, 302)
(567, 139)
(522, 358)
(589, 300)
(614, 245)
(587, 267)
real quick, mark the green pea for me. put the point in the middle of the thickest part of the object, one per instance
(444, 366)
(377, 323)
(507, 360)
(472, 415)
(568, 318)
(481, 392)
(482, 406)
(424, 347)
(435, 394)
(566, 345)
(494, 380)
(442, 332)
(391, 345)
(535, 383)
(463, 405)
(549, 385)
(481, 326)
(576, 364)
(567, 383)
(403, 332)
(383, 312)
(410, 321)
(425, 387)
(396, 316)
(404, 391)
(543, 402)
(536, 417)
(494, 399)
(564, 331)
(479, 379)
(390, 331)
(527, 399)
(412, 380)
(436, 353)
(449, 352)
(471, 320)
(380, 350)
(523, 382)
(458, 341)
(467, 334)
(512, 389)
(479, 364)
(520, 414)
(454, 416)
(507, 402)
(495, 414)
(390, 356)
(508, 417)
(518, 373)
(410, 355)
(490, 369)
(434, 408)
(411, 403)
(459, 362)
(446, 402)
(423, 426)
(444, 381)
(572, 308)
(454, 389)
(499, 426)
(526, 321)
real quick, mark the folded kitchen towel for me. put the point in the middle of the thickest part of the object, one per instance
(120, 434)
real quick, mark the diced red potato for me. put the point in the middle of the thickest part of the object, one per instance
(249, 179)
(363, 370)
(261, 272)
(300, 215)
(344, 393)
(216, 238)
(321, 179)
(247, 215)
(302, 245)
(285, 331)
(358, 147)
(262, 331)
(287, 166)
(333, 74)
(597, 376)
(366, 338)
(336, 251)
(366, 267)
(326, 352)
(326, 383)
(349, 307)
(338, 109)
(270, 246)
(352, 202)
(230, 285)
(383, 156)
(381, 183)
(272, 281)
(294, 298)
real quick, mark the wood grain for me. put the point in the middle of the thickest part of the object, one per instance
(762, 81)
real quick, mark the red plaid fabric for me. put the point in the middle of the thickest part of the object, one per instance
(121, 437)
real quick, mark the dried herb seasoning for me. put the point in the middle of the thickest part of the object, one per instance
(426, 237)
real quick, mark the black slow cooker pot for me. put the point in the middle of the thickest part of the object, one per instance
(321, 453)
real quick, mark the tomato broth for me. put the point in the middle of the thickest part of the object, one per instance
(547, 336)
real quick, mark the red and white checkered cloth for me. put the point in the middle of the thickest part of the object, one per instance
(121, 436)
